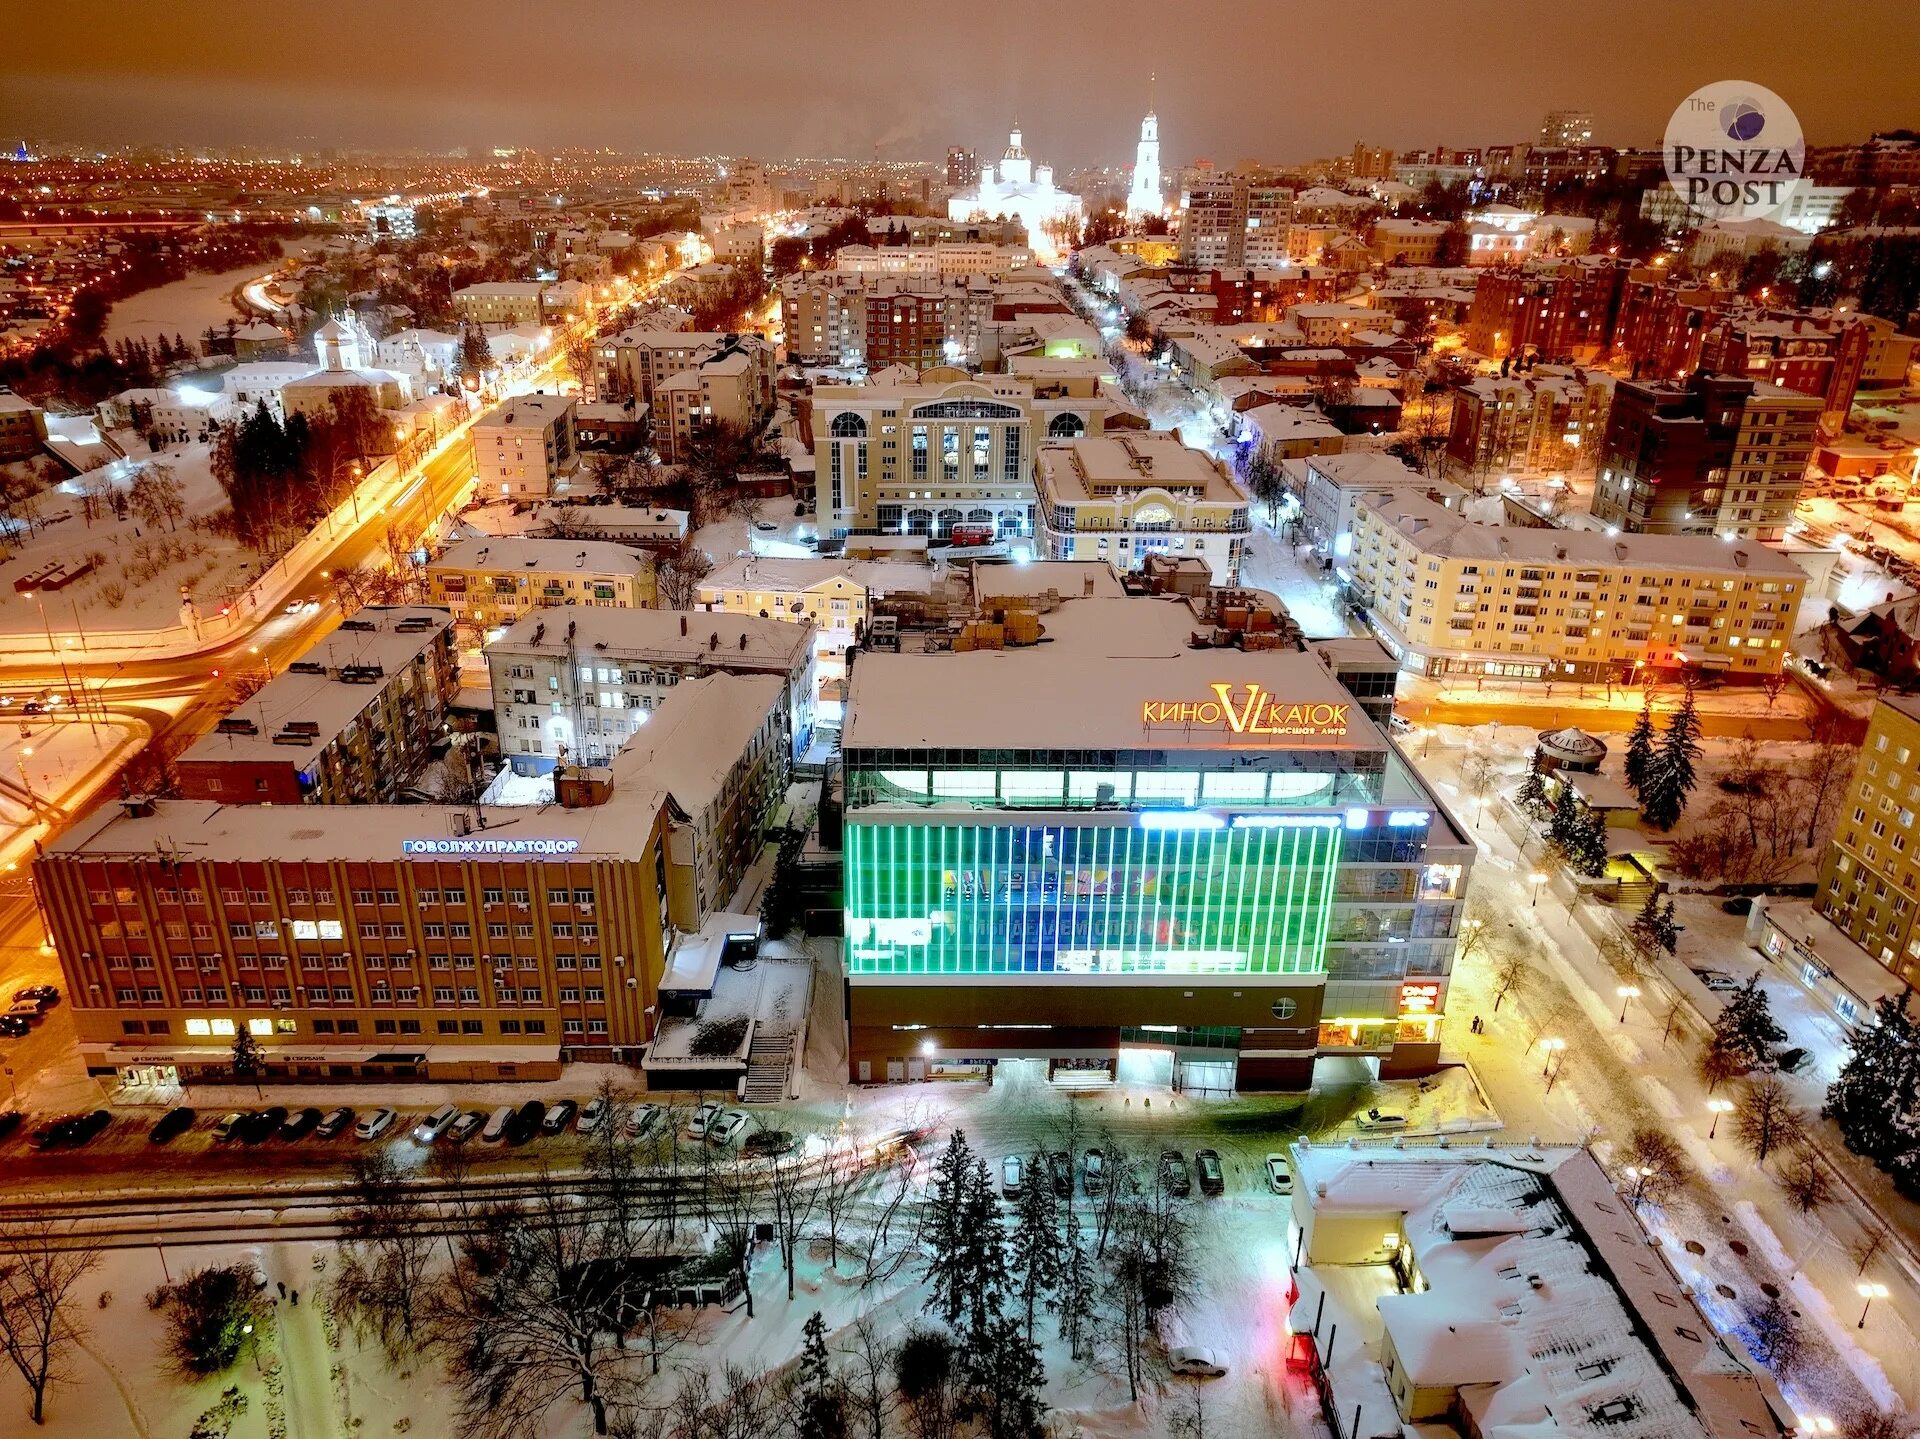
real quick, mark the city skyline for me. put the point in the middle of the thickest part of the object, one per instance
(85, 73)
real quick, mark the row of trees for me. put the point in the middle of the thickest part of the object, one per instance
(1875, 1099)
(281, 478)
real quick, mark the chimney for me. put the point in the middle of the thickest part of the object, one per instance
(683, 626)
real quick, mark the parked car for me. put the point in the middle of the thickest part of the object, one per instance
(497, 1122)
(12, 1026)
(334, 1121)
(525, 1122)
(10, 1120)
(1739, 904)
(702, 1120)
(300, 1124)
(229, 1125)
(71, 1130)
(1376, 1120)
(44, 995)
(641, 1120)
(263, 1125)
(1279, 1174)
(1790, 1060)
(1060, 1170)
(463, 1128)
(1012, 1170)
(559, 1117)
(726, 1128)
(1717, 980)
(1213, 1179)
(591, 1113)
(27, 1009)
(375, 1124)
(435, 1124)
(767, 1143)
(1200, 1362)
(1175, 1177)
(1093, 1170)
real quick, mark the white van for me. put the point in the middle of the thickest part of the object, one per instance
(496, 1129)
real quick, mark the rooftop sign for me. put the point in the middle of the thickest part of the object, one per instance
(1254, 712)
(488, 846)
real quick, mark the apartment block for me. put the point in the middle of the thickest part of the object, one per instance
(1231, 222)
(1447, 596)
(1549, 419)
(1552, 310)
(579, 681)
(501, 302)
(23, 427)
(526, 448)
(349, 722)
(1715, 455)
(1869, 882)
(495, 580)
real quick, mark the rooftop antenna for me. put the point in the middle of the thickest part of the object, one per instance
(1152, 76)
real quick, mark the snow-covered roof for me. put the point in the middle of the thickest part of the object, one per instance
(690, 746)
(727, 641)
(1088, 688)
(514, 553)
(771, 574)
(525, 411)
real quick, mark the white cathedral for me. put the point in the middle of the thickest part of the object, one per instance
(1021, 189)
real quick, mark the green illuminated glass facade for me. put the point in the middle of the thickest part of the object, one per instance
(927, 898)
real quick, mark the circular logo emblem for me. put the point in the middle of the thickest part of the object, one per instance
(1735, 151)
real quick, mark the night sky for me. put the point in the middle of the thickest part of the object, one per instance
(1269, 79)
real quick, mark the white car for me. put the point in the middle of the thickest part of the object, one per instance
(641, 1119)
(702, 1120)
(435, 1124)
(726, 1128)
(1193, 1359)
(591, 1113)
(1279, 1174)
(1011, 1172)
(375, 1124)
(496, 1129)
(1377, 1120)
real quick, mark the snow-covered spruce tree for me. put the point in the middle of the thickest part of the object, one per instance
(1640, 748)
(1745, 1032)
(1877, 1087)
(1033, 1257)
(1562, 823)
(1587, 846)
(1670, 778)
(1532, 797)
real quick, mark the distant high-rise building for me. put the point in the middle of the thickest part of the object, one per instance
(748, 190)
(1144, 198)
(1229, 222)
(1371, 162)
(963, 169)
(1567, 127)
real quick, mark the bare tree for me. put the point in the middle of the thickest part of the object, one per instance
(381, 1286)
(1766, 1119)
(841, 1180)
(870, 1392)
(793, 1196)
(1869, 1423)
(677, 573)
(1824, 775)
(1805, 1181)
(1774, 1335)
(1511, 974)
(1869, 1246)
(1653, 1162)
(732, 1205)
(157, 496)
(41, 1266)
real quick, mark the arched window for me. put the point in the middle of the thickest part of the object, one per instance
(1066, 426)
(847, 426)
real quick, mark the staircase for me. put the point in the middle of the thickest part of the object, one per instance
(1076, 1080)
(769, 1066)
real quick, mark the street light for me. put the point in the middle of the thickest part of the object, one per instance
(1717, 1107)
(1868, 1292)
(1628, 993)
(1536, 879)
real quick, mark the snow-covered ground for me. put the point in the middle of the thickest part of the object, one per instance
(184, 308)
(141, 569)
(1311, 595)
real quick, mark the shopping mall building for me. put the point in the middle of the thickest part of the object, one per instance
(1117, 851)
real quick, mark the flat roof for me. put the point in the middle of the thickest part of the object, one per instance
(1070, 579)
(1088, 685)
(1435, 529)
(324, 699)
(764, 573)
(535, 409)
(672, 635)
(513, 553)
(1132, 461)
